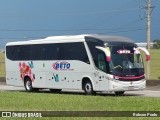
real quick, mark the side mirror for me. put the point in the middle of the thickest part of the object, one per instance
(146, 52)
(106, 51)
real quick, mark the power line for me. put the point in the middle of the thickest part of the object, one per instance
(101, 12)
(96, 20)
(122, 31)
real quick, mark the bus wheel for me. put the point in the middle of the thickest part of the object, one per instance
(119, 92)
(55, 90)
(88, 88)
(28, 85)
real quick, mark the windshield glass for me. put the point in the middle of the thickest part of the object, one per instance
(125, 61)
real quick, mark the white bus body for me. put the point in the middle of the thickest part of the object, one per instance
(80, 62)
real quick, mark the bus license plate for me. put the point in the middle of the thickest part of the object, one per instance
(131, 88)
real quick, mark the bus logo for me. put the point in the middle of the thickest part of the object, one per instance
(123, 51)
(63, 65)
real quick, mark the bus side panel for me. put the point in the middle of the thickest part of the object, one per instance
(68, 74)
(58, 75)
(16, 71)
(103, 81)
(81, 70)
(38, 73)
(13, 74)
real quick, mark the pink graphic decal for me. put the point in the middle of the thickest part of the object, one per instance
(25, 70)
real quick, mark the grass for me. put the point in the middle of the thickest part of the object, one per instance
(18, 101)
(2, 65)
(154, 64)
(47, 101)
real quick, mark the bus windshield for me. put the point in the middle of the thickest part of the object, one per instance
(125, 62)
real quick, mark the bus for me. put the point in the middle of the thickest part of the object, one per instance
(92, 63)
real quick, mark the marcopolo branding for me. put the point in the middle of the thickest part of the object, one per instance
(62, 65)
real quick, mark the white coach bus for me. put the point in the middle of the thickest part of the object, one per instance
(93, 63)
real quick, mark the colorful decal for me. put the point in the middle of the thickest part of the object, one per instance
(123, 51)
(31, 64)
(56, 77)
(61, 65)
(25, 70)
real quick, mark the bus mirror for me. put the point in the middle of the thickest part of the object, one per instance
(108, 58)
(146, 52)
(106, 51)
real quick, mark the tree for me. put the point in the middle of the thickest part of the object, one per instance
(156, 44)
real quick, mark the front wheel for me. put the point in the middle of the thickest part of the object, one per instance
(88, 88)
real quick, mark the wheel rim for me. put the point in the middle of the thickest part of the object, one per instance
(28, 85)
(88, 87)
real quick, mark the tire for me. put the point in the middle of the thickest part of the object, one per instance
(28, 86)
(88, 88)
(55, 90)
(119, 92)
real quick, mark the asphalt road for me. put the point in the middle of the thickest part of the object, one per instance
(149, 92)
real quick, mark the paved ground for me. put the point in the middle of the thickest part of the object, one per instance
(151, 91)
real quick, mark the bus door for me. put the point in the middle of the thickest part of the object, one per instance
(103, 66)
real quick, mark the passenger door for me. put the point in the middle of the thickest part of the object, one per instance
(102, 65)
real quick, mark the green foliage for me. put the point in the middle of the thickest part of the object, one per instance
(2, 65)
(154, 64)
(156, 44)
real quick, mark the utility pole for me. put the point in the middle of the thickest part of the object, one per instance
(149, 11)
(148, 24)
(148, 34)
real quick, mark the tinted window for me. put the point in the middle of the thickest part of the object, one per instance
(50, 51)
(37, 52)
(58, 51)
(94, 51)
(98, 56)
(24, 52)
(73, 51)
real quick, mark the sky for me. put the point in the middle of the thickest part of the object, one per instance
(34, 19)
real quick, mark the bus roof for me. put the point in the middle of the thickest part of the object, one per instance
(73, 38)
(110, 39)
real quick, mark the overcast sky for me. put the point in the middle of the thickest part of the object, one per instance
(33, 19)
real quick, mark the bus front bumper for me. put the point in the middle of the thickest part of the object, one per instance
(127, 85)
